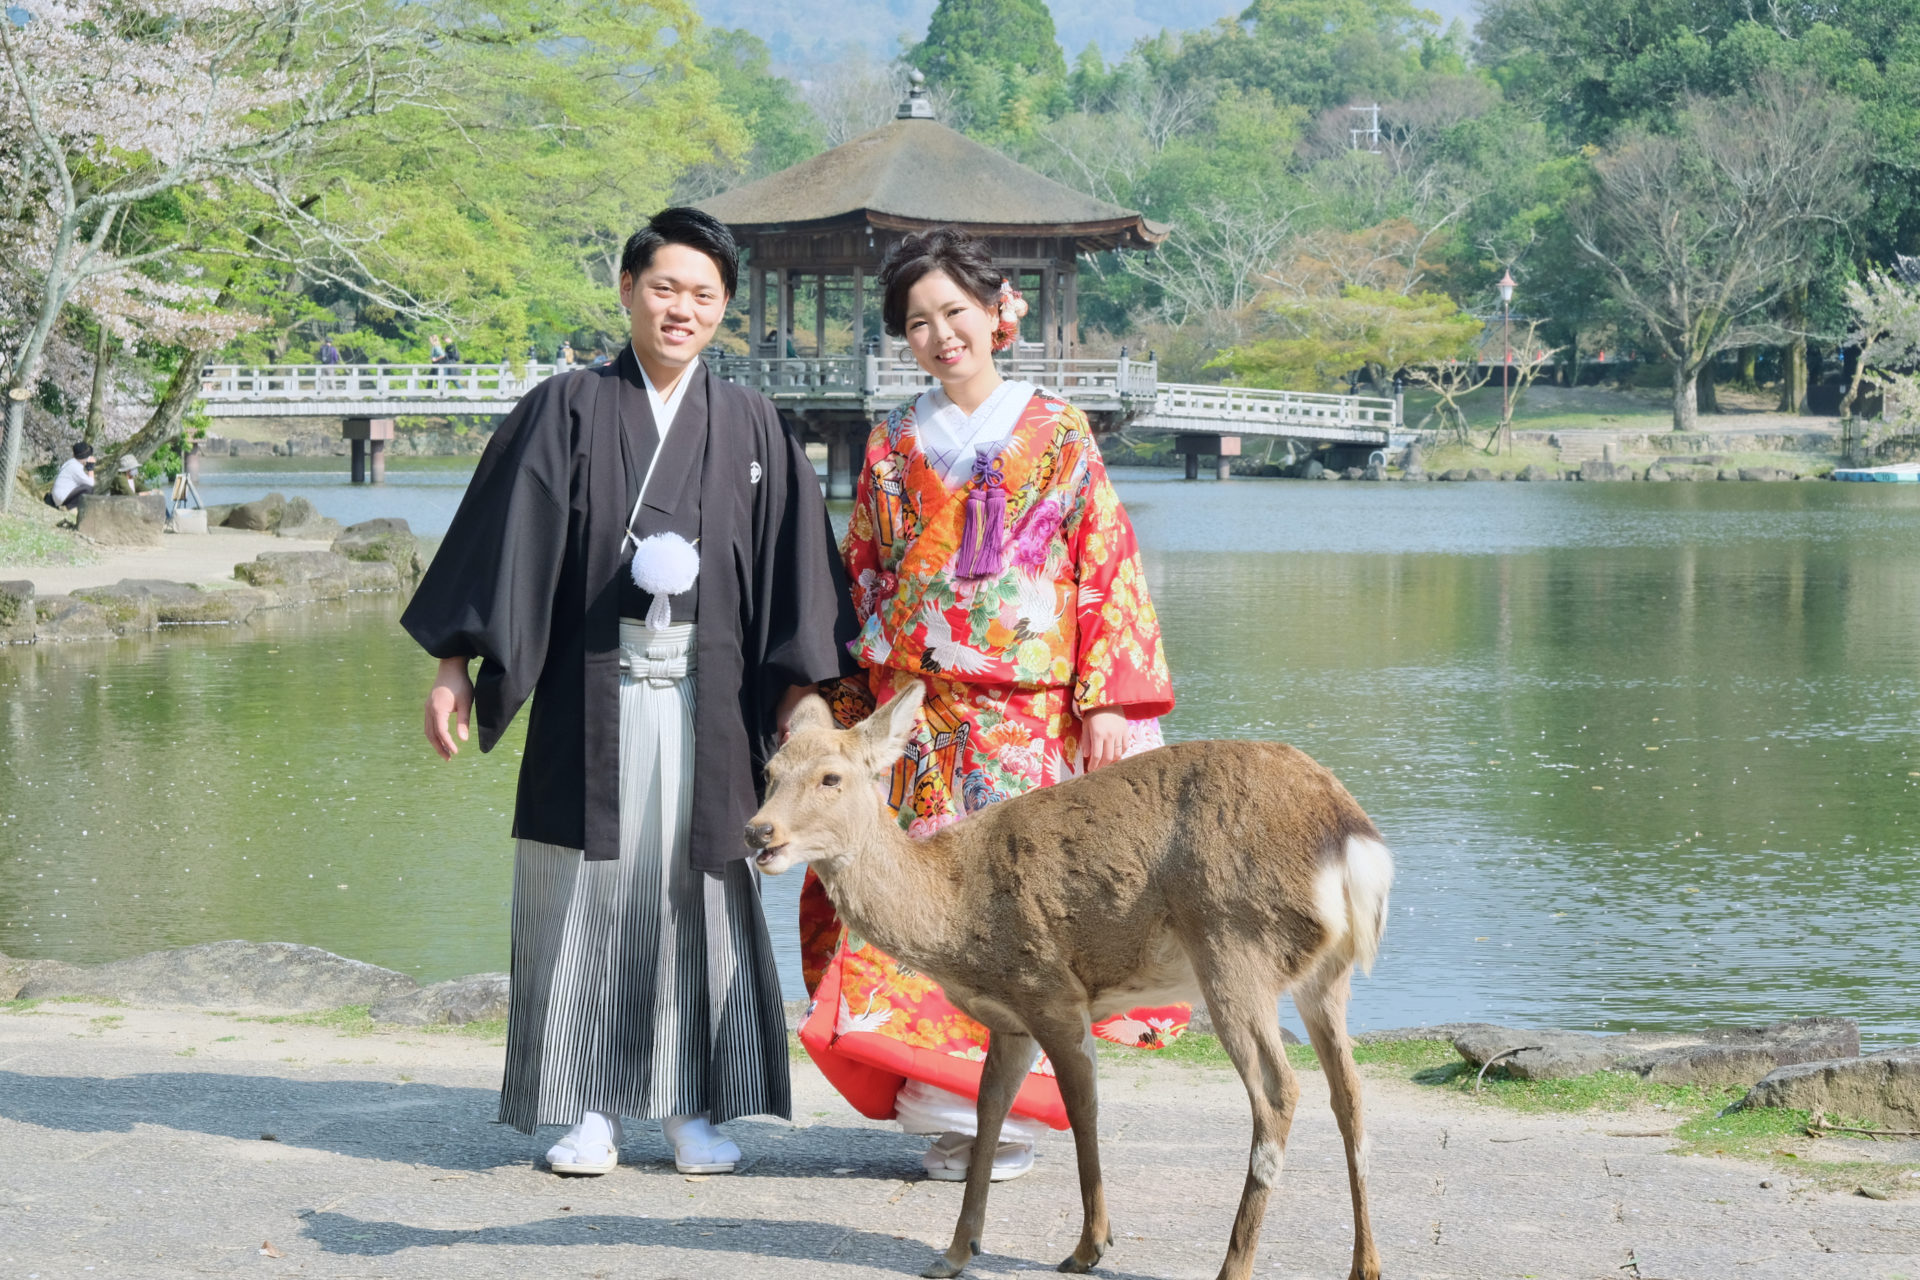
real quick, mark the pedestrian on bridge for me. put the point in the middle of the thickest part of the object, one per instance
(644, 550)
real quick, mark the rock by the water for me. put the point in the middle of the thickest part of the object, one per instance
(16, 974)
(1536, 473)
(1432, 1031)
(1714, 1056)
(472, 999)
(1882, 1088)
(262, 515)
(1311, 469)
(1479, 473)
(17, 620)
(128, 605)
(1374, 471)
(119, 521)
(67, 618)
(1658, 475)
(298, 576)
(1765, 473)
(1728, 474)
(299, 519)
(387, 539)
(175, 603)
(228, 975)
(1455, 474)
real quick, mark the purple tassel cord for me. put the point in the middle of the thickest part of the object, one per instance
(983, 536)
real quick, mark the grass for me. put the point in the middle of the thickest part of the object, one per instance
(30, 538)
(356, 1020)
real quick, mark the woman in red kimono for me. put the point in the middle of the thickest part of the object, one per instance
(992, 562)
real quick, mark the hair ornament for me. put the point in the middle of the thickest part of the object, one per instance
(1010, 306)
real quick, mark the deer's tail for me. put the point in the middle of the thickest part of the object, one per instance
(1352, 894)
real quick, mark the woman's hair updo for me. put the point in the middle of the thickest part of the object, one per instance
(962, 257)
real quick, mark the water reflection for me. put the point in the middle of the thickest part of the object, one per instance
(1645, 753)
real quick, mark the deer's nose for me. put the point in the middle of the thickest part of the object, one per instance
(759, 834)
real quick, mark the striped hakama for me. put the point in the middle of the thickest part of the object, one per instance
(642, 987)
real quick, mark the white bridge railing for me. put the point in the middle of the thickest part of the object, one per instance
(864, 383)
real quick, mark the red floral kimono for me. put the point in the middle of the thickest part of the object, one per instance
(1052, 620)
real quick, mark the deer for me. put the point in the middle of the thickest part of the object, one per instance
(1231, 871)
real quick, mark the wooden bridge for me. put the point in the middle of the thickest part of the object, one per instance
(829, 398)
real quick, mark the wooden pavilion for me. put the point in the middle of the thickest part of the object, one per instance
(821, 229)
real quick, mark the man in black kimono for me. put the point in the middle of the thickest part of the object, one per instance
(643, 978)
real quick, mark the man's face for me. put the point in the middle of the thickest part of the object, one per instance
(676, 301)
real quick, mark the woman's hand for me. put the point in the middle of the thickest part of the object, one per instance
(1103, 736)
(452, 694)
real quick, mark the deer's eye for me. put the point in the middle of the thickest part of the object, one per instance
(830, 780)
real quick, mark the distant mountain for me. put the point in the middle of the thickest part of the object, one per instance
(800, 31)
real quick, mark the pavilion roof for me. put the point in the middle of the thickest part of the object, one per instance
(910, 174)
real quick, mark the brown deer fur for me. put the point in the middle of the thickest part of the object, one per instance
(1231, 871)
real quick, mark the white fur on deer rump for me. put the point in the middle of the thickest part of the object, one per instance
(1350, 897)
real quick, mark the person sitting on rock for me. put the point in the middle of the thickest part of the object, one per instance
(75, 480)
(126, 481)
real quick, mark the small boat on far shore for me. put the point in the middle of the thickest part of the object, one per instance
(1899, 472)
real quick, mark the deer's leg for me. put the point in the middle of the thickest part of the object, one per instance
(1072, 1050)
(1009, 1058)
(1322, 1001)
(1247, 1019)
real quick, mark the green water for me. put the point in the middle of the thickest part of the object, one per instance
(1645, 753)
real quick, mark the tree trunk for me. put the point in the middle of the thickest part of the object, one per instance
(1749, 368)
(164, 423)
(1793, 377)
(1685, 402)
(1706, 394)
(97, 399)
(1570, 363)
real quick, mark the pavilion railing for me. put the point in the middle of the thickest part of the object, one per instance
(887, 377)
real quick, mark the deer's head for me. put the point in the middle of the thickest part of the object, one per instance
(822, 797)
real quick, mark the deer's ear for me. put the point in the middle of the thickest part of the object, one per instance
(885, 733)
(811, 712)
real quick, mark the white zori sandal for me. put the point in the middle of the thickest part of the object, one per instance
(946, 1160)
(698, 1147)
(590, 1148)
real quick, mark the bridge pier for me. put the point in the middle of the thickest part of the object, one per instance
(1223, 449)
(361, 433)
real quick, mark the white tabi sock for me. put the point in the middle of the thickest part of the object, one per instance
(594, 1132)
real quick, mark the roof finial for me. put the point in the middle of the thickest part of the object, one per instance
(916, 106)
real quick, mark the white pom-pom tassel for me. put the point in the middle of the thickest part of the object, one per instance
(664, 565)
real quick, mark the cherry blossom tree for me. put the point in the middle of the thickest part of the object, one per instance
(109, 107)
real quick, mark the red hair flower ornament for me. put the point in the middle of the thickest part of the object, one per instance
(1010, 306)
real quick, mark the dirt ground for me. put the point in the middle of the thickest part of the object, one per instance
(158, 1144)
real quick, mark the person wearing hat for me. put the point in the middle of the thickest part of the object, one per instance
(127, 482)
(75, 480)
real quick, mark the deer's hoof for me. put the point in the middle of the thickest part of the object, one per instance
(943, 1268)
(1076, 1266)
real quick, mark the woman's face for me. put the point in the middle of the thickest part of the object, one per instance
(949, 332)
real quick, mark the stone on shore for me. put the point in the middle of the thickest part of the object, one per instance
(132, 600)
(280, 976)
(1714, 1056)
(119, 521)
(1881, 1088)
(262, 514)
(298, 577)
(17, 619)
(477, 998)
(299, 519)
(388, 540)
(1658, 474)
(61, 617)
(1764, 473)
(1535, 473)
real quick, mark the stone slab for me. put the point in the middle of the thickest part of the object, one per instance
(1882, 1088)
(276, 976)
(118, 521)
(262, 514)
(60, 617)
(1712, 1056)
(477, 998)
(298, 577)
(17, 618)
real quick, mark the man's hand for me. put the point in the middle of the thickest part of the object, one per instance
(452, 694)
(784, 713)
(1103, 736)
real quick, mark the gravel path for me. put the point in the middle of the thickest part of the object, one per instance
(133, 1147)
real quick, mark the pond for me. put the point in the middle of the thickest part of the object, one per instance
(1646, 754)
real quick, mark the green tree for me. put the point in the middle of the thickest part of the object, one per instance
(1000, 62)
(1323, 340)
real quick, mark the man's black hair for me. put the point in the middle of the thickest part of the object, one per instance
(82, 450)
(692, 228)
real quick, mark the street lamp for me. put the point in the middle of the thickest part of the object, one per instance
(1506, 374)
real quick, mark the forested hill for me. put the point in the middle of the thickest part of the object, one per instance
(805, 30)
